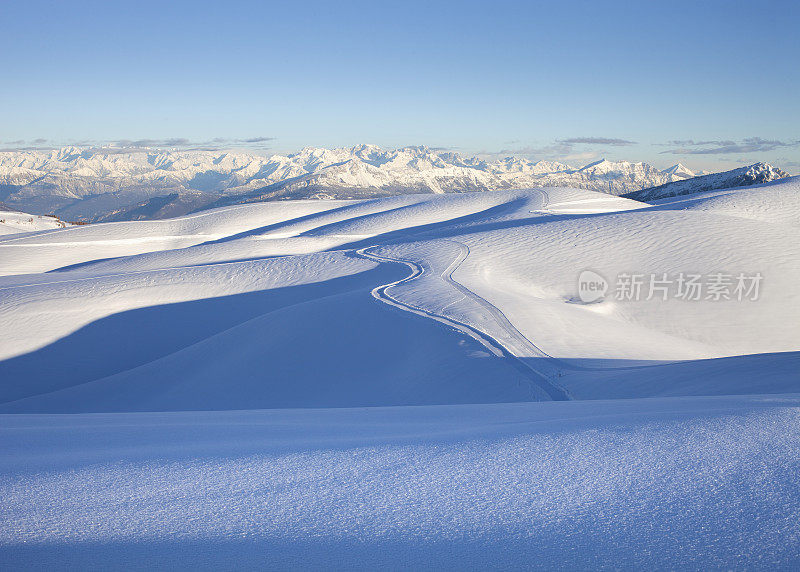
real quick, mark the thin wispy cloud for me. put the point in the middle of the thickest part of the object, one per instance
(245, 141)
(446, 149)
(173, 142)
(692, 142)
(256, 140)
(556, 149)
(134, 145)
(747, 145)
(571, 149)
(182, 142)
(598, 141)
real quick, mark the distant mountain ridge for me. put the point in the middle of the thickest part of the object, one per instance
(118, 183)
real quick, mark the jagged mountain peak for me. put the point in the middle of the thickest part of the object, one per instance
(679, 170)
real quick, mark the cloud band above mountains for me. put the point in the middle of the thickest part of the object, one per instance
(183, 143)
(724, 147)
(598, 141)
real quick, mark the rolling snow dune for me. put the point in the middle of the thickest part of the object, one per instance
(273, 360)
(52, 309)
(531, 271)
(500, 268)
(47, 251)
(240, 383)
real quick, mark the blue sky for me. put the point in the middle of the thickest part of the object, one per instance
(710, 84)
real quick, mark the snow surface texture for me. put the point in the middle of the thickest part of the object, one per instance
(240, 383)
(116, 183)
(674, 483)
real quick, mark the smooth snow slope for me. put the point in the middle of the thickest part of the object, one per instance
(240, 380)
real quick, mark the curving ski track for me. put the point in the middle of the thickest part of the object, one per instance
(542, 386)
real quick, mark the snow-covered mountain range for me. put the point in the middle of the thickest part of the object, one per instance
(113, 183)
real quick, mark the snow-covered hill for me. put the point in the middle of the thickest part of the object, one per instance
(741, 177)
(104, 184)
(12, 222)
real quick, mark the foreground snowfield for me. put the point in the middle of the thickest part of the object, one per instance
(404, 382)
(687, 483)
